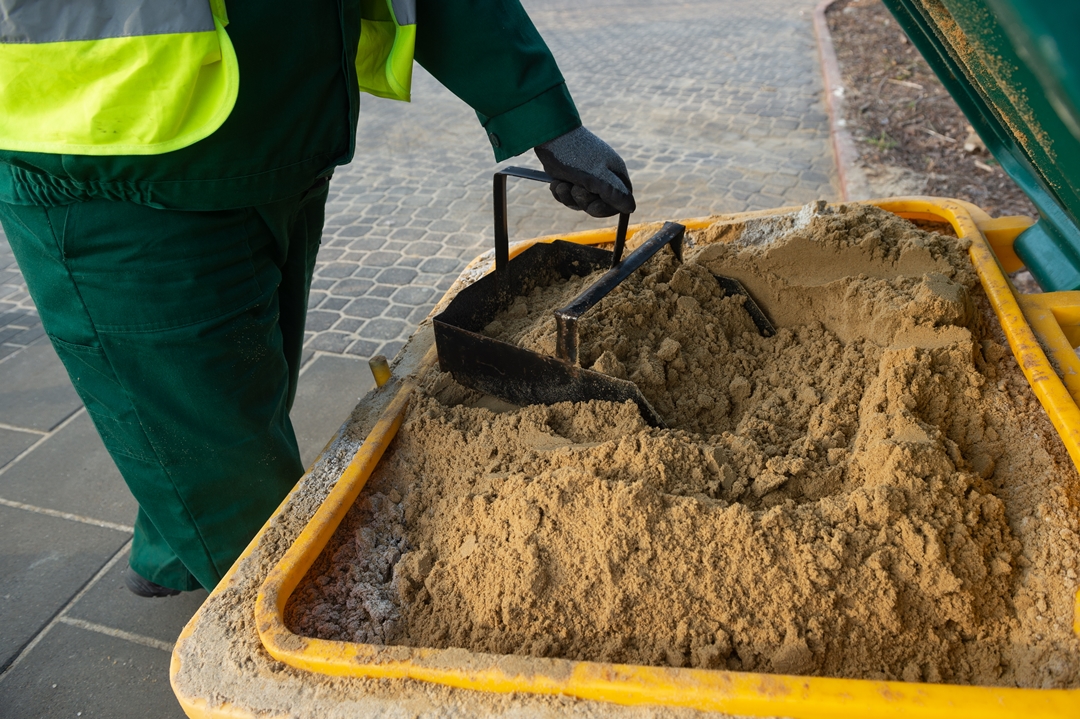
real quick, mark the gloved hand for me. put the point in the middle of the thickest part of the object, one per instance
(588, 174)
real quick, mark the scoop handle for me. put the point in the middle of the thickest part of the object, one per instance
(502, 231)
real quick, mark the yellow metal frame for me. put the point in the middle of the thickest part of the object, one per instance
(1052, 322)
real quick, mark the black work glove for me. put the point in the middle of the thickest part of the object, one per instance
(589, 175)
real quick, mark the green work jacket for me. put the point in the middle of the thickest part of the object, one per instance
(296, 113)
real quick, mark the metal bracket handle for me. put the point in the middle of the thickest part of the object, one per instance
(566, 342)
(502, 232)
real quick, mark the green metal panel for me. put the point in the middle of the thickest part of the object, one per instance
(1013, 67)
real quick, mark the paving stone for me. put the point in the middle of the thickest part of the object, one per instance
(409, 234)
(391, 349)
(348, 325)
(29, 320)
(382, 290)
(318, 320)
(27, 337)
(352, 287)
(12, 443)
(330, 255)
(74, 672)
(364, 307)
(327, 392)
(12, 317)
(111, 604)
(382, 329)
(35, 391)
(363, 348)
(334, 303)
(429, 213)
(44, 562)
(425, 249)
(71, 472)
(381, 258)
(814, 177)
(336, 269)
(459, 239)
(413, 295)
(330, 341)
(396, 276)
(367, 242)
(399, 312)
(441, 265)
(419, 314)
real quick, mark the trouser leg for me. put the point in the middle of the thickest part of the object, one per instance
(153, 558)
(170, 326)
(298, 235)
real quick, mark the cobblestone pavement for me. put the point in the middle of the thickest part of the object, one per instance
(716, 106)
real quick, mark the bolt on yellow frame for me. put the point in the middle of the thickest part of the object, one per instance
(1034, 325)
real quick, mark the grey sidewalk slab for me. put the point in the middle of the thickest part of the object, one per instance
(110, 604)
(74, 672)
(13, 442)
(45, 561)
(72, 472)
(35, 391)
(327, 392)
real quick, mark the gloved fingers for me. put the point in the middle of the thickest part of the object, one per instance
(587, 162)
(614, 190)
(599, 208)
(592, 203)
(604, 184)
(607, 187)
(561, 191)
(582, 196)
(578, 198)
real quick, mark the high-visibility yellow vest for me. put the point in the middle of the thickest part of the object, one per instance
(145, 77)
(384, 58)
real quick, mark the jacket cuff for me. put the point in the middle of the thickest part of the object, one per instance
(548, 115)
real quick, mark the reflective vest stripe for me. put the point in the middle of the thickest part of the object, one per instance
(404, 11)
(384, 57)
(42, 21)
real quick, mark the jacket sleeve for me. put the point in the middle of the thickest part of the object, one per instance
(488, 53)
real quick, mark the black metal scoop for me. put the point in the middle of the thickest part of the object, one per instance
(521, 376)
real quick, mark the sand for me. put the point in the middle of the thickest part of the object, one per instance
(871, 493)
(222, 667)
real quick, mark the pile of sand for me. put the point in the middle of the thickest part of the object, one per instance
(861, 495)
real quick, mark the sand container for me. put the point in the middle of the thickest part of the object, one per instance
(871, 493)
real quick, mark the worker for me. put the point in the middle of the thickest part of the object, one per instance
(163, 173)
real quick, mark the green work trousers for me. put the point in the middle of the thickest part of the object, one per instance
(182, 333)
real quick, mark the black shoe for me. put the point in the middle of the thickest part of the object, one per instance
(143, 587)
